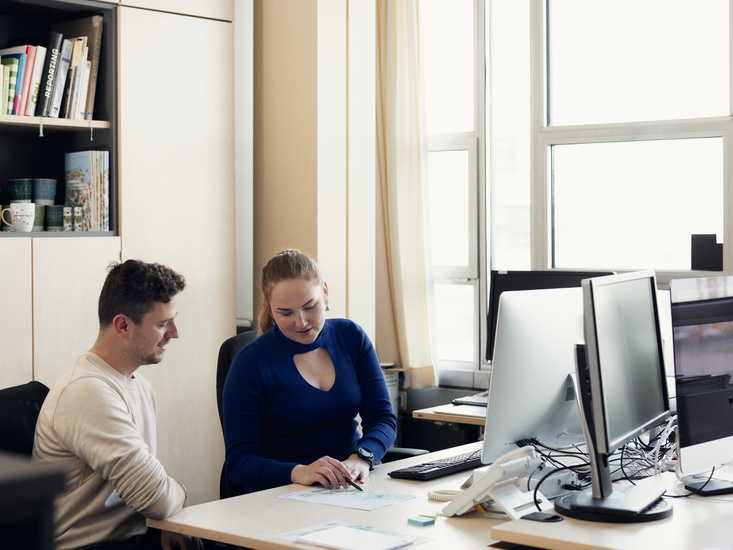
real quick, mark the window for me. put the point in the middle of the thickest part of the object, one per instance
(545, 154)
(633, 132)
(452, 46)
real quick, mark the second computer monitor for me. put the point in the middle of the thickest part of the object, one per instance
(531, 394)
(502, 281)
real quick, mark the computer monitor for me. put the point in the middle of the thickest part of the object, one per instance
(621, 381)
(531, 395)
(501, 281)
(702, 325)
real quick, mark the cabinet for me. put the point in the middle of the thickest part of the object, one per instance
(176, 156)
(34, 147)
(51, 281)
(170, 78)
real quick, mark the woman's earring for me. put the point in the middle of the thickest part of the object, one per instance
(327, 307)
(272, 323)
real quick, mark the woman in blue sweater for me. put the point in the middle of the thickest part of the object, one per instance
(292, 395)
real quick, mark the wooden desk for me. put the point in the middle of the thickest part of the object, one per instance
(256, 520)
(695, 523)
(441, 414)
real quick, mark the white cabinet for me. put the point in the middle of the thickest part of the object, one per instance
(16, 312)
(177, 208)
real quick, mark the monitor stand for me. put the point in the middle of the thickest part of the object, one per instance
(630, 504)
(710, 487)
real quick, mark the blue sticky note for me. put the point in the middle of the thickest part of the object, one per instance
(422, 521)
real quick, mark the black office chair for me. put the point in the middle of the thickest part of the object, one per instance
(227, 351)
(19, 408)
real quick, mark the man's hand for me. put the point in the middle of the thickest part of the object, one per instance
(171, 541)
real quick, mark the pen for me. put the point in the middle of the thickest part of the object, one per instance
(352, 483)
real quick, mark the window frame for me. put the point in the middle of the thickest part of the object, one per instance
(544, 137)
(457, 373)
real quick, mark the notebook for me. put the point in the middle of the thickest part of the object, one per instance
(350, 538)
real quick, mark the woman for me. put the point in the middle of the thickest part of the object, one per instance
(292, 396)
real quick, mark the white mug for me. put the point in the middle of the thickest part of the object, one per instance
(22, 215)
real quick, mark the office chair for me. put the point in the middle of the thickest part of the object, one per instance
(227, 351)
(19, 408)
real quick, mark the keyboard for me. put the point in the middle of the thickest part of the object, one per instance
(439, 468)
(480, 399)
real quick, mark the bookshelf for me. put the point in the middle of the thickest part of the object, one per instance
(34, 147)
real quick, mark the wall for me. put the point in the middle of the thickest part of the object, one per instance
(314, 145)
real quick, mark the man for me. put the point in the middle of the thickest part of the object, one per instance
(98, 421)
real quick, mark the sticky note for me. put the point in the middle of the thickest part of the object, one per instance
(422, 521)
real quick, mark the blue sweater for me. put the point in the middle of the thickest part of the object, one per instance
(275, 420)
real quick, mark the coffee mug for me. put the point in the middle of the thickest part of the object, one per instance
(55, 218)
(21, 190)
(21, 216)
(39, 217)
(4, 226)
(44, 191)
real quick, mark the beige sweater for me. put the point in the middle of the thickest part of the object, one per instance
(100, 426)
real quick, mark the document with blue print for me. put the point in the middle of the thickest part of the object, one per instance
(348, 498)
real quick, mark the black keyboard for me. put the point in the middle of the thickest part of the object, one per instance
(439, 468)
(480, 399)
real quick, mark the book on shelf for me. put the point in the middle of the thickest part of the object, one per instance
(30, 61)
(9, 91)
(19, 53)
(60, 79)
(6, 83)
(19, 82)
(35, 82)
(26, 55)
(48, 75)
(72, 76)
(91, 28)
(74, 104)
(87, 184)
(83, 91)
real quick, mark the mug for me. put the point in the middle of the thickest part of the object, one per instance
(22, 215)
(44, 191)
(55, 217)
(39, 217)
(21, 190)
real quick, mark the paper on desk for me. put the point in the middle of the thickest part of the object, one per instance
(294, 535)
(353, 538)
(348, 498)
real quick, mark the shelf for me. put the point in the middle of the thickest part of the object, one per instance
(55, 234)
(33, 123)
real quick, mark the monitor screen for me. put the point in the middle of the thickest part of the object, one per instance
(623, 388)
(501, 281)
(531, 395)
(702, 328)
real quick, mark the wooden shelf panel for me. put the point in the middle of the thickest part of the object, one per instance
(33, 123)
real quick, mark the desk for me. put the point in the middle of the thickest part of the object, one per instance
(695, 523)
(255, 520)
(453, 413)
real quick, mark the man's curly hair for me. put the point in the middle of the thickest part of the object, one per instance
(132, 288)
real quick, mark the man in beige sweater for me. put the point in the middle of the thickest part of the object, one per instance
(98, 421)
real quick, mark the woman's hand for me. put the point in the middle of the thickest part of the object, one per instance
(358, 467)
(327, 471)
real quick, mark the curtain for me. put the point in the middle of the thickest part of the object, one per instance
(403, 332)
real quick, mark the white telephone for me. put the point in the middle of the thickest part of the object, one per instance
(500, 485)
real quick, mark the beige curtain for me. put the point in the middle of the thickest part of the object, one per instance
(403, 333)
